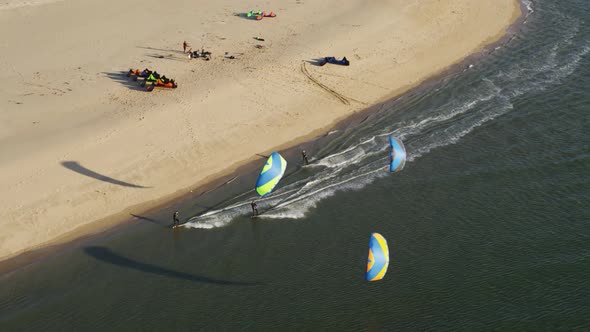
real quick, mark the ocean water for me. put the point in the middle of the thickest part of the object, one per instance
(488, 225)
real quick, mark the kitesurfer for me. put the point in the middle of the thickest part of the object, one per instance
(175, 219)
(254, 209)
(184, 46)
(304, 157)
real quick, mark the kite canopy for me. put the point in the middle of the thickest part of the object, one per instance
(397, 155)
(271, 173)
(378, 259)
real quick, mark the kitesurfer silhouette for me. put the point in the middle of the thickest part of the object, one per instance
(254, 209)
(304, 157)
(175, 219)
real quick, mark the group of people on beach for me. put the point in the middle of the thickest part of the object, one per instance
(206, 55)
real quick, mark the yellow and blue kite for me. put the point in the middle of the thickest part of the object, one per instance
(271, 173)
(378, 260)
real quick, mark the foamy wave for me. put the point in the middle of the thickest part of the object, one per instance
(449, 137)
(551, 74)
(483, 93)
(529, 6)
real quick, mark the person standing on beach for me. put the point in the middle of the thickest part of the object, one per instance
(254, 209)
(175, 219)
(184, 46)
(304, 157)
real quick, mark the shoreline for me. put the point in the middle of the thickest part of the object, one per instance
(115, 222)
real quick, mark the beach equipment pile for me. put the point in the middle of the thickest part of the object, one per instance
(151, 79)
(258, 14)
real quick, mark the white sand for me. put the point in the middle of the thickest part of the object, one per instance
(63, 99)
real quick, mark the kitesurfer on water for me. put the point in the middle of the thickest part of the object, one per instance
(254, 209)
(175, 219)
(304, 157)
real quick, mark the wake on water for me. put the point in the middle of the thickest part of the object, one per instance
(354, 166)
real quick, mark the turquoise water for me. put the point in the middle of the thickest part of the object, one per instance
(489, 224)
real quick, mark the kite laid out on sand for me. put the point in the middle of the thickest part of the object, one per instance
(146, 74)
(258, 15)
(333, 60)
(161, 84)
(378, 259)
(151, 79)
(139, 73)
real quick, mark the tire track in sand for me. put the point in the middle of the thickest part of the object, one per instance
(340, 97)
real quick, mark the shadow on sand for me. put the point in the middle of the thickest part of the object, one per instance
(167, 57)
(161, 49)
(121, 77)
(153, 221)
(107, 256)
(76, 167)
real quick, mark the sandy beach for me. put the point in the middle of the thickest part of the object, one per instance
(82, 145)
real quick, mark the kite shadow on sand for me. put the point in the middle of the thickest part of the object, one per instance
(108, 256)
(170, 54)
(167, 57)
(161, 49)
(76, 167)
